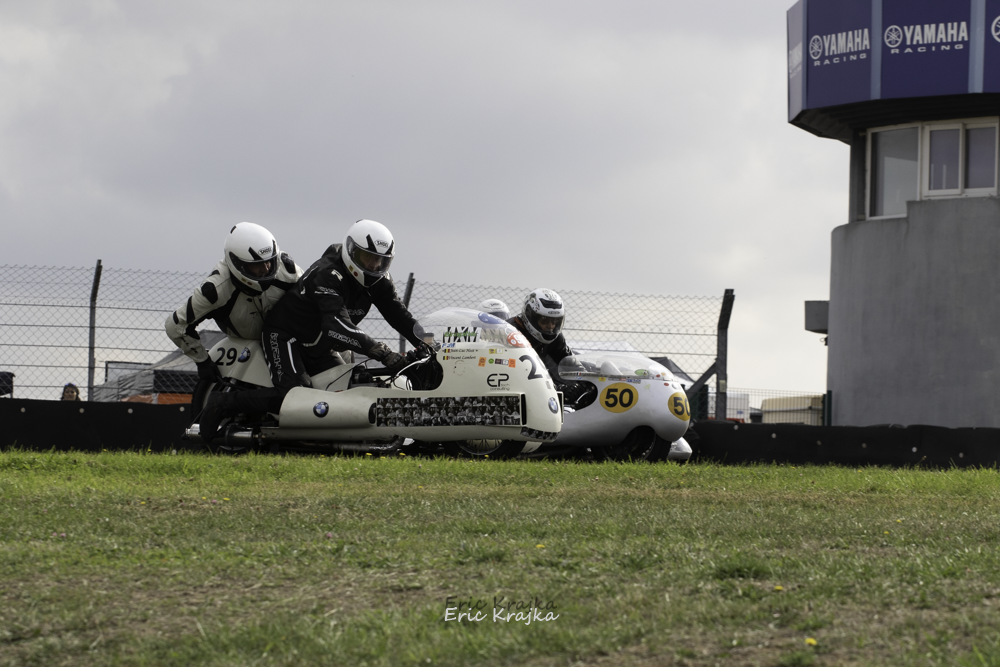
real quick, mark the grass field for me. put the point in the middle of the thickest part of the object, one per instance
(133, 559)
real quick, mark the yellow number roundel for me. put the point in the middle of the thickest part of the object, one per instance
(619, 397)
(678, 404)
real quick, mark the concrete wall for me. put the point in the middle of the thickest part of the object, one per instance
(914, 332)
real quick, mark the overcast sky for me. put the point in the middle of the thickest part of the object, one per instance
(633, 147)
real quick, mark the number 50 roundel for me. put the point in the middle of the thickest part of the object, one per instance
(619, 397)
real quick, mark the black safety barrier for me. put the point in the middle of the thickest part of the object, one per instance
(733, 443)
(84, 426)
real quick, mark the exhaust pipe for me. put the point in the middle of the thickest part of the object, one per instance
(231, 435)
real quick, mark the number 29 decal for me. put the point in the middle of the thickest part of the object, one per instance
(619, 397)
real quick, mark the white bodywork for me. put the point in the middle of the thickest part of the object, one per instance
(494, 387)
(633, 391)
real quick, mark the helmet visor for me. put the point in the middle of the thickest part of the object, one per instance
(255, 270)
(549, 327)
(371, 263)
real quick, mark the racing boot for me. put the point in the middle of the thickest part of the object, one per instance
(230, 404)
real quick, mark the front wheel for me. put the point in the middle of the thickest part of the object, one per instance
(641, 444)
(199, 399)
(483, 449)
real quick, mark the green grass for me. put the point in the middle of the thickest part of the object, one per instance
(133, 559)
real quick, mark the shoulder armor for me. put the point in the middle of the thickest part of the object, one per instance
(288, 263)
(209, 292)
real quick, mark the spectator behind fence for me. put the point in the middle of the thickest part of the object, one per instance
(70, 392)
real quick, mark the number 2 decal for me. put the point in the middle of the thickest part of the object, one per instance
(532, 374)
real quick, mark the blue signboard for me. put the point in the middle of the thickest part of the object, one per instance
(838, 52)
(860, 50)
(796, 77)
(991, 48)
(925, 48)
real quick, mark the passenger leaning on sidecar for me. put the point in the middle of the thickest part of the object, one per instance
(305, 333)
(252, 276)
(541, 320)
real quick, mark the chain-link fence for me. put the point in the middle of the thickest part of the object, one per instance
(104, 327)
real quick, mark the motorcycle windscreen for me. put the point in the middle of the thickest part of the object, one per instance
(463, 325)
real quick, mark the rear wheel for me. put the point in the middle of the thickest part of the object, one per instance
(482, 449)
(641, 444)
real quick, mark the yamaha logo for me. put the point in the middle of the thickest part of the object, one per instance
(893, 36)
(927, 37)
(816, 47)
(839, 47)
(321, 409)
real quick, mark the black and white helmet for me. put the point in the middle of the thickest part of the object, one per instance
(543, 314)
(368, 251)
(496, 308)
(252, 257)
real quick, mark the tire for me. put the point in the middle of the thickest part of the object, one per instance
(200, 397)
(641, 444)
(481, 449)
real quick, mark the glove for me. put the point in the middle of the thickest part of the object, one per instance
(381, 352)
(423, 351)
(208, 371)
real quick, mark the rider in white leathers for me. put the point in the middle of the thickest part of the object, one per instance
(252, 276)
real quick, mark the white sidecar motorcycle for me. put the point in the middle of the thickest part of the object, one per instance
(483, 392)
(633, 409)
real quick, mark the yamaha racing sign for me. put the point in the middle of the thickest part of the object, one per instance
(846, 51)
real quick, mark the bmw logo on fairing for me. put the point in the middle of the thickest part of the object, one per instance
(553, 405)
(320, 409)
(244, 355)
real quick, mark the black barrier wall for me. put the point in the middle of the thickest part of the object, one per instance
(69, 425)
(728, 442)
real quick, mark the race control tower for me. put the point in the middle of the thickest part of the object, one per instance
(913, 319)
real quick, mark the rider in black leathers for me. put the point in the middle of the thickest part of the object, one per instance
(306, 331)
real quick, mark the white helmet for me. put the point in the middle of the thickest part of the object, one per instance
(252, 257)
(368, 251)
(543, 314)
(496, 308)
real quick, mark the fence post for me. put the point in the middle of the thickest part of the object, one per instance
(721, 358)
(406, 302)
(91, 361)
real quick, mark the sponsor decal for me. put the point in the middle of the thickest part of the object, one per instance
(515, 339)
(618, 397)
(460, 335)
(336, 273)
(321, 409)
(490, 361)
(839, 47)
(495, 350)
(641, 371)
(482, 361)
(336, 335)
(633, 380)
(795, 61)
(511, 363)
(495, 380)
(489, 319)
(600, 379)
(276, 355)
(244, 355)
(922, 38)
(380, 242)
(264, 252)
(553, 405)
(326, 290)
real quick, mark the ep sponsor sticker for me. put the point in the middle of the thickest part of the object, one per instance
(619, 397)
(679, 407)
